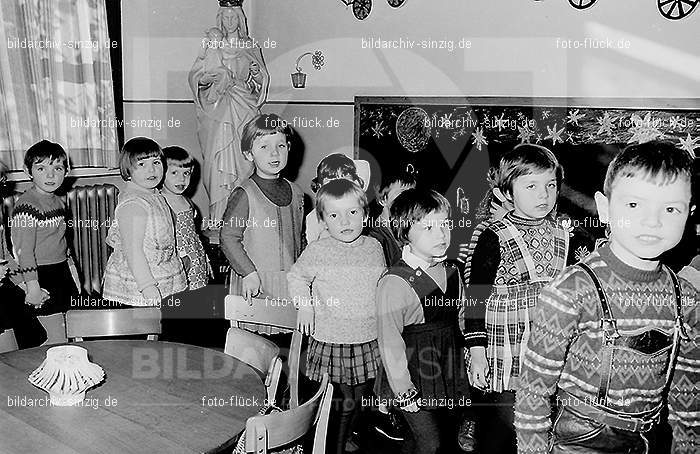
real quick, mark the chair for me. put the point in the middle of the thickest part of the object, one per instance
(237, 309)
(278, 429)
(8, 342)
(113, 322)
(55, 326)
(259, 353)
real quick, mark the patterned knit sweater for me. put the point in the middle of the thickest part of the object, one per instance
(38, 229)
(342, 279)
(566, 340)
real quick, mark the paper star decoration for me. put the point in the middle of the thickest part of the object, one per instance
(378, 129)
(539, 138)
(644, 130)
(581, 253)
(607, 123)
(500, 122)
(545, 114)
(675, 122)
(568, 226)
(554, 134)
(525, 134)
(574, 117)
(446, 120)
(689, 144)
(478, 138)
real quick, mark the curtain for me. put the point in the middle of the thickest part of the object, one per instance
(56, 80)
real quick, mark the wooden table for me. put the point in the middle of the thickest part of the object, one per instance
(157, 397)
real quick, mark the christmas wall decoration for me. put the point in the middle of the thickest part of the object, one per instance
(362, 8)
(670, 9)
(452, 142)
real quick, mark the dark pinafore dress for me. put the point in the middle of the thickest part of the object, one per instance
(434, 349)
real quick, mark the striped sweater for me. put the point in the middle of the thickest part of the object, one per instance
(566, 340)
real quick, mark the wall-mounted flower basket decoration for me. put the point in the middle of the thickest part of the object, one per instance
(299, 77)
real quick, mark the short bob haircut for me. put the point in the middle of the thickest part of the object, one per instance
(263, 125)
(43, 150)
(525, 159)
(334, 166)
(659, 162)
(394, 178)
(134, 150)
(411, 206)
(337, 189)
(178, 157)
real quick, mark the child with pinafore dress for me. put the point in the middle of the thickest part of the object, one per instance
(333, 284)
(513, 257)
(144, 268)
(196, 310)
(261, 234)
(419, 305)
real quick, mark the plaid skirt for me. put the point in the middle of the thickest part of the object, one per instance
(350, 364)
(508, 316)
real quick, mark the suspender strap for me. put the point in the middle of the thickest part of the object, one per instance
(607, 322)
(609, 326)
(679, 305)
(678, 333)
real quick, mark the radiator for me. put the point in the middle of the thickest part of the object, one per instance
(91, 212)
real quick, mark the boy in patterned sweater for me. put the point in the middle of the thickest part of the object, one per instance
(607, 333)
(38, 229)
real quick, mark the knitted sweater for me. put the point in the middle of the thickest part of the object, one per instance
(38, 229)
(564, 350)
(342, 278)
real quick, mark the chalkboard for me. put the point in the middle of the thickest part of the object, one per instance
(452, 142)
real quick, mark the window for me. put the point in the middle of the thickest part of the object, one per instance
(56, 80)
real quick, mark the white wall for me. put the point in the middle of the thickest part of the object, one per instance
(516, 50)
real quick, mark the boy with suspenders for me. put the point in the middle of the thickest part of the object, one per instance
(617, 337)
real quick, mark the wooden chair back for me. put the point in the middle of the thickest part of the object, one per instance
(271, 431)
(259, 353)
(113, 322)
(263, 311)
(8, 342)
(55, 326)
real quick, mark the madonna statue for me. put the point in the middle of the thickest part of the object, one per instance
(229, 82)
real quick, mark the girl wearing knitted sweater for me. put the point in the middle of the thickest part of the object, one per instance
(513, 258)
(332, 284)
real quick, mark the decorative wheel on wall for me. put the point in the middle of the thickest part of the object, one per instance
(676, 9)
(361, 8)
(582, 4)
(395, 3)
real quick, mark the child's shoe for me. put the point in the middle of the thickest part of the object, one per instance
(465, 436)
(352, 444)
(389, 425)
